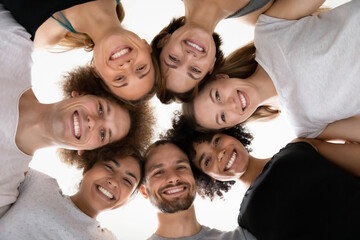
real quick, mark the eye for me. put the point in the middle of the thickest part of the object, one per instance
(128, 182)
(181, 167)
(158, 173)
(109, 167)
(217, 96)
(195, 70)
(101, 109)
(119, 78)
(216, 141)
(223, 117)
(142, 67)
(102, 135)
(172, 58)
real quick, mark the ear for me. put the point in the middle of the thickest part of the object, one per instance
(162, 42)
(147, 45)
(220, 76)
(80, 152)
(143, 192)
(75, 94)
(212, 67)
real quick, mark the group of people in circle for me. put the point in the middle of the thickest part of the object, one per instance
(303, 62)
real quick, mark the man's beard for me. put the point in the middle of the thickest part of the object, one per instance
(177, 204)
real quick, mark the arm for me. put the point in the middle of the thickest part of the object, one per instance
(346, 156)
(345, 129)
(293, 9)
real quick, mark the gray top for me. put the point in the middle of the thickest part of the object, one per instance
(252, 6)
(207, 233)
(43, 212)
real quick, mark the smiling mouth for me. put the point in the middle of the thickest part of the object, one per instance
(119, 53)
(242, 99)
(76, 121)
(174, 190)
(231, 161)
(194, 45)
(105, 192)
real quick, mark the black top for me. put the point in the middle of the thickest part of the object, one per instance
(301, 195)
(32, 13)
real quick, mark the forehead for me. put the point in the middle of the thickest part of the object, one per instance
(205, 110)
(166, 155)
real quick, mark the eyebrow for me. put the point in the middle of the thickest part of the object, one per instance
(142, 76)
(108, 113)
(192, 76)
(131, 175)
(170, 66)
(123, 85)
(201, 158)
(117, 164)
(156, 166)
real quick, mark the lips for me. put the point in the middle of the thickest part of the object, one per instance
(195, 45)
(76, 124)
(119, 52)
(242, 99)
(231, 161)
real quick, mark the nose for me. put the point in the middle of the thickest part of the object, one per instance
(190, 53)
(93, 121)
(231, 103)
(126, 64)
(112, 183)
(172, 177)
(221, 154)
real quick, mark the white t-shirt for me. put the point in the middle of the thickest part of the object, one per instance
(207, 233)
(314, 64)
(43, 212)
(15, 78)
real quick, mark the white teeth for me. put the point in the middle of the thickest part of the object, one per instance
(76, 125)
(243, 100)
(120, 53)
(174, 191)
(231, 162)
(195, 46)
(105, 192)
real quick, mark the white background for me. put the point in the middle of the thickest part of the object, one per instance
(137, 220)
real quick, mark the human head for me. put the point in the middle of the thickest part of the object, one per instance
(121, 60)
(111, 177)
(229, 98)
(169, 182)
(186, 137)
(141, 115)
(175, 46)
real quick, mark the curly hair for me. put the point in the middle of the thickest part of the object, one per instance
(106, 153)
(82, 40)
(239, 64)
(141, 115)
(184, 136)
(166, 96)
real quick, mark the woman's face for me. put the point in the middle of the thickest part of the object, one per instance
(223, 158)
(187, 56)
(123, 61)
(108, 185)
(225, 102)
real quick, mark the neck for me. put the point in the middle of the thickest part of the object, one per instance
(96, 18)
(204, 14)
(265, 86)
(179, 224)
(31, 132)
(80, 204)
(254, 169)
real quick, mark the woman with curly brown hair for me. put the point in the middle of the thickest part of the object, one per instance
(121, 59)
(111, 178)
(306, 178)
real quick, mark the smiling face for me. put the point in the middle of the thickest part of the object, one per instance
(225, 102)
(169, 183)
(124, 62)
(107, 185)
(87, 122)
(187, 56)
(224, 158)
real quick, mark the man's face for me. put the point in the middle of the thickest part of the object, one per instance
(169, 181)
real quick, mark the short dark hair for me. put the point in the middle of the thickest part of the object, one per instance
(166, 96)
